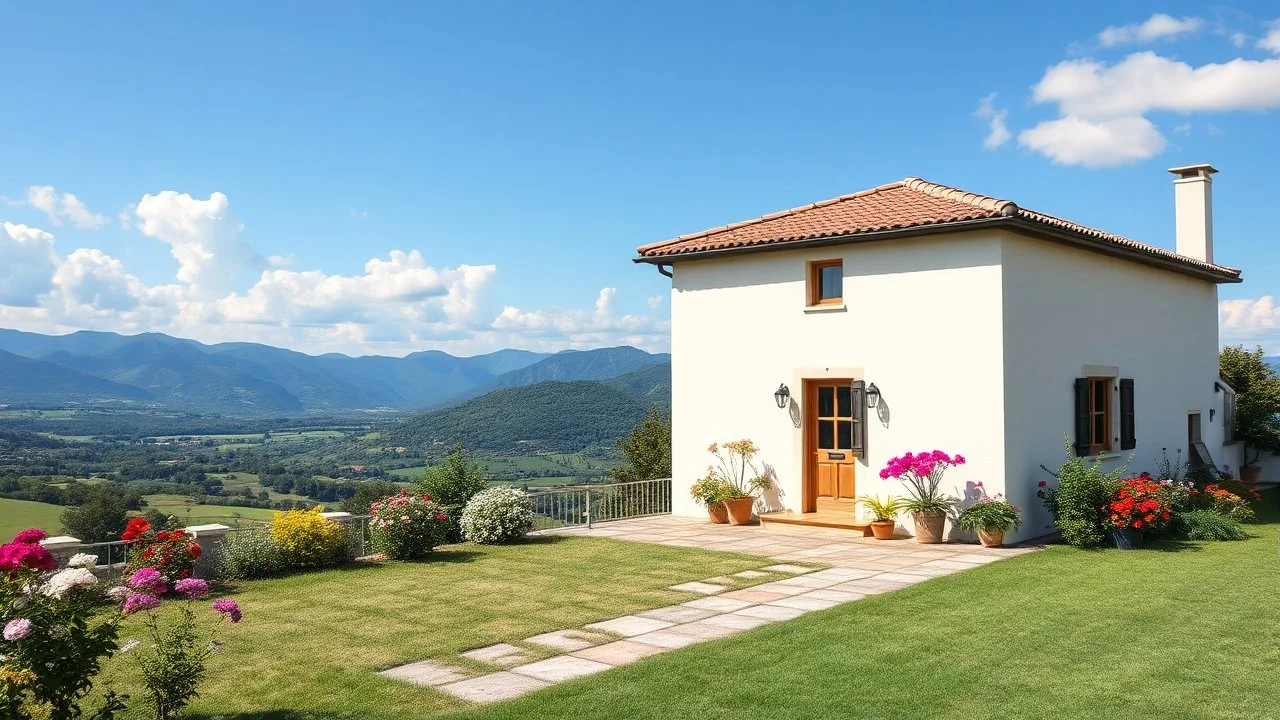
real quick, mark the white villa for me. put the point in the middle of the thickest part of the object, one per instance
(916, 316)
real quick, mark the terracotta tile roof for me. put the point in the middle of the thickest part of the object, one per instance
(911, 203)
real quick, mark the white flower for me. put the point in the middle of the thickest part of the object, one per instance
(83, 560)
(129, 646)
(119, 592)
(64, 581)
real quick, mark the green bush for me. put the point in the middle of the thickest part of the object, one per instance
(1208, 525)
(496, 516)
(1077, 502)
(455, 481)
(249, 554)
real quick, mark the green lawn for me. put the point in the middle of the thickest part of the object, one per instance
(1189, 631)
(310, 644)
(18, 515)
(234, 516)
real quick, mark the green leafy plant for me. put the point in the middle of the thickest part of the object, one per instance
(710, 490)
(990, 513)
(249, 554)
(454, 481)
(1257, 411)
(881, 510)
(734, 460)
(1078, 502)
(497, 515)
(647, 450)
(1205, 524)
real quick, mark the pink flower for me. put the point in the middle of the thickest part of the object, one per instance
(1043, 483)
(978, 484)
(17, 629)
(228, 608)
(140, 601)
(148, 580)
(16, 556)
(192, 588)
(30, 536)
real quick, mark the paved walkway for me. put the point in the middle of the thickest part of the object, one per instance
(858, 567)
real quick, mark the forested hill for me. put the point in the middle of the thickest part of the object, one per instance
(548, 416)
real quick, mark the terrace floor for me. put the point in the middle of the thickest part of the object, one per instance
(793, 543)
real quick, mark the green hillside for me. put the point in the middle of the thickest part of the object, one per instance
(556, 416)
(18, 515)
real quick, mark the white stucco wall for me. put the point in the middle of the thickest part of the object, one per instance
(922, 321)
(1065, 308)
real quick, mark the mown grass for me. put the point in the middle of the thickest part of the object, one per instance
(1183, 630)
(310, 644)
(18, 515)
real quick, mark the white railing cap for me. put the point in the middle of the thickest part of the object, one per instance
(59, 541)
(214, 529)
(336, 515)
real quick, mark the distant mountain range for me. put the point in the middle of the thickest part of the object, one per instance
(94, 368)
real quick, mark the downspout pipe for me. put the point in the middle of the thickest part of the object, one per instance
(665, 269)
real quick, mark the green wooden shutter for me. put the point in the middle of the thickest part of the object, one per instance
(859, 410)
(1082, 417)
(1128, 431)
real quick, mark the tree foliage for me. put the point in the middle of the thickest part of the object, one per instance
(100, 518)
(1257, 418)
(455, 481)
(647, 449)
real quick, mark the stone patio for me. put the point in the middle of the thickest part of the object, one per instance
(855, 568)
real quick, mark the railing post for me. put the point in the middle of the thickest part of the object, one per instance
(62, 547)
(208, 537)
(588, 508)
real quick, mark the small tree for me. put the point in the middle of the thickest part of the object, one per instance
(367, 493)
(100, 518)
(1257, 419)
(455, 481)
(647, 449)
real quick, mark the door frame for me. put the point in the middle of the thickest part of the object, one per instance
(809, 431)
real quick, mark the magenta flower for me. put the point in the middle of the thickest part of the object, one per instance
(16, 556)
(192, 588)
(148, 580)
(17, 629)
(29, 536)
(140, 601)
(228, 608)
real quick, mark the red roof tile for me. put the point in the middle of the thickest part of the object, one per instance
(910, 203)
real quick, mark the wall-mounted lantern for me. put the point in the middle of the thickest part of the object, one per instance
(873, 395)
(782, 395)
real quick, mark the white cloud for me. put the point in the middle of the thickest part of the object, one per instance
(1250, 322)
(29, 262)
(63, 207)
(655, 301)
(1157, 27)
(92, 282)
(1103, 107)
(202, 236)
(1183, 129)
(1239, 39)
(997, 133)
(1271, 41)
(584, 328)
(280, 260)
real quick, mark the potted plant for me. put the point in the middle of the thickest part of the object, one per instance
(710, 492)
(883, 514)
(739, 493)
(991, 518)
(922, 474)
(1139, 506)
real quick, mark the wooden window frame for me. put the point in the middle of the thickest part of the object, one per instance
(814, 276)
(1095, 447)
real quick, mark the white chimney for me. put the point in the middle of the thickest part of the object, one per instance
(1193, 211)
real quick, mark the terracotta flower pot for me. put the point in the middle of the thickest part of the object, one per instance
(883, 530)
(718, 513)
(930, 527)
(1250, 475)
(740, 510)
(991, 537)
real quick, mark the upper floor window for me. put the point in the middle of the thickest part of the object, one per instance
(826, 282)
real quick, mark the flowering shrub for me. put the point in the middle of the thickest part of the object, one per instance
(1139, 504)
(711, 489)
(990, 513)
(250, 554)
(172, 552)
(922, 474)
(1079, 501)
(734, 460)
(497, 515)
(307, 539)
(406, 527)
(1225, 502)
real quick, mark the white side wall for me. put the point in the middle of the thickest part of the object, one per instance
(922, 321)
(1065, 308)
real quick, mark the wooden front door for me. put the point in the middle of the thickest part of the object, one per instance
(829, 433)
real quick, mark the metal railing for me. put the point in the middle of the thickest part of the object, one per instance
(589, 504)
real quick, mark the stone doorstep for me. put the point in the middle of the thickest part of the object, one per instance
(425, 673)
(502, 654)
(493, 687)
(561, 668)
(620, 652)
(630, 625)
(568, 640)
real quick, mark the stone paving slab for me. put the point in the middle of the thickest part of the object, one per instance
(789, 569)
(737, 622)
(702, 588)
(753, 595)
(769, 612)
(561, 668)
(666, 639)
(503, 654)
(704, 630)
(568, 640)
(750, 574)
(804, 602)
(677, 614)
(816, 580)
(620, 652)
(494, 687)
(426, 673)
(840, 596)
(777, 588)
(630, 625)
(720, 603)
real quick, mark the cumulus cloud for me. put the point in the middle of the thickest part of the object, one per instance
(1157, 27)
(1271, 41)
(280, 260)
(90, 281)
(1103, 107)
(655, 301)
(997, 133)
(583, 328)
(63, 207)
(1250, 322)
(202, 236)
(29, 262)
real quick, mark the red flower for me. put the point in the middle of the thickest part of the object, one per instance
(1043, 483)
(194, 551)
(162, 535)
(1137, 524)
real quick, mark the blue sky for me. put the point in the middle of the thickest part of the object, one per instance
(385, 178)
